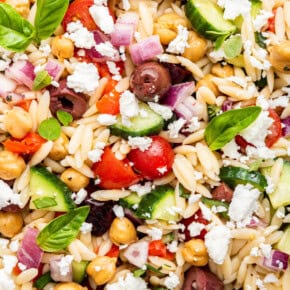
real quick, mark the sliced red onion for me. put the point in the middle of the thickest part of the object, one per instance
(54, 68)
(123, 34)
(22, 72)
(182, 111)
(7, 85)
(29, 253)
(146, 49)
(286, 127)
(277, 261)
(61, 268)
(255, 222)
(129, 18)
(137, 253)
(227, 105)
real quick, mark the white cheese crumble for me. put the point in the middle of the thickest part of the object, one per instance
(114, 70)
(164, 111)
(217, 241)
(262, 19)
(7, 195)
(262, 102)
(129, 282)
(195, 228)
(106, 49)
(141, 189)
(102, 18)
(96, 154)
(126, 5)
(65, 264)
(118, 211)
(172, 247)
(80, 35)
(233, 8)
(107, 119)
(194, 198)
(14, 245)
(45, 48)
(179, 43)
(85, 78)
(175, 127)
(244, 202)
(206, 212)
(217, 55)
(9, 262)
(79, 196)
(128, 107)
(22, 267)
(192, 125)
(171, 281)
(266, 250)
(141, 143)
(101, 2)
(270, 278)
(86, 227)
(155, 233)
(162, 170)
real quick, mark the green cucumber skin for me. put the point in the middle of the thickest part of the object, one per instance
(79, 270)
(284, 243)
(40, 177)
(209, 28)
(130, 201)
(237, 175)
(149, 125)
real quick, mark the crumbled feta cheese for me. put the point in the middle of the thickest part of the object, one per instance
(79, 196)
(20, 56)
(172, 247)
(218, 209)
(174, 210)
(179, 43)
(6, 281)
(192, 125)
(270, 278)
(114, 70)
(141, 143)
(244, 202)
(262, 152)
(206, 212)
(155, 233)
(126, 5)
(85, 78)
(96, 154)
(165, 112)
(128, 106)
(14, 245)
(141, 189)
(262, 19)
(281, 101)
(217, 241)
(217, 55)
(194, 198)
(265, 250)
(118, 211)
(7, 195)
(233, 8)
(45, 48)
(262, 102)
(102, 18)
(195, 228)
(171, 281)
(162, 170)
(106, 49)
(9, 262)
(106, 119)
(22, 267)
(129, 282)
(255, 252)
(3, 243)
(65, 264)
(175, 127)
(231, 150)
(86, 228)
(80, 35)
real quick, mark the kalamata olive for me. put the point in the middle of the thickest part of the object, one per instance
(11, 208)
(178, 73)
(64, 99)
(150, 79)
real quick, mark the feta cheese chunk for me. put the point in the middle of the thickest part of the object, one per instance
(179, 43)
(141, 143)
(102, 18)
(233, 8)
(7, 195)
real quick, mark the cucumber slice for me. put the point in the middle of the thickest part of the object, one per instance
(79, 270)
(149, 123)
(233, 176)
(284, 243)
(207, 19)
(130, 201)
(48, 191)
(281, 195)
(216, 203)
(158, 204)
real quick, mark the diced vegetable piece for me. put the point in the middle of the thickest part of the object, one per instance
(137, 253)
(277, 261)
(43, 280)
(79, 270)
(7, 85)
(123, 34)
(130, 201)
(286, 127)
(284, 242)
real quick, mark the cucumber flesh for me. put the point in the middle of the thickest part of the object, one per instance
(284, 243)
(48, 191)
(207, 19)
(130, 201)
(233, 176)
(150, 123)
(79, 270)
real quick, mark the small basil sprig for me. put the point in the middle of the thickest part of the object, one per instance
(49, 129)
(223, 128)
(60, 232)
(16, 33)
(41, 80)
(233, 46)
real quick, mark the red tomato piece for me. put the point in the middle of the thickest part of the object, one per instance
(154, 162)
(114, 173)
(275, 129)
(113, 252)
(109, 103)
(158, 248)
(79, 10)
(271, 22)
(24, 104)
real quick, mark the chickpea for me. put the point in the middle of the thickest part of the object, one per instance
(280, 56)
(195, 253)
(21, 6)
(74, 179)
(60, 148)
(62, 47)
(206, 81)
(166, 26)
(122, 231)
(222, 71)
(197, 47)
(69, 286)
(11, 165)
(10, 223)
(17, 122)
(102, 269)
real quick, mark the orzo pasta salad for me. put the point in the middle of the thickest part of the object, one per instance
(144, 144)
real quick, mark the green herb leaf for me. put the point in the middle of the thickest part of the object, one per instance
(254, 166)
(42, 79)
(153, 269)
(223, 128)
(138, 272)
(60, 232)
(233, 46)
(213, 111)
(44, 202)
(261, 83)
(260, 39)
(49, 129)
(43, 280)
(220, 40)
(16, 33)
(49, 14)
(64, 117)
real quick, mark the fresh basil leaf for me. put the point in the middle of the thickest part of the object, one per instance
(49, 14)
(49, 129)
(16, 33)
(44, 202)
(64, 117)
(41, 80)
(233, 46)
(60, 232)
(220, 40)
(213, 111)
(223, 128)
(260, 39)
(138, 272)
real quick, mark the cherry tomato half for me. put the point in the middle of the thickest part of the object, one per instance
(158, 248)
(154, 162)
(275, 129)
